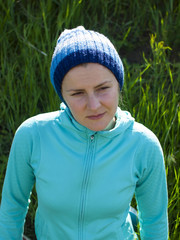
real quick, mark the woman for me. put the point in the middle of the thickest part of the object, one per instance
(88, 159)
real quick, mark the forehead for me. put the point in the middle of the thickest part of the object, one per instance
(88, 74)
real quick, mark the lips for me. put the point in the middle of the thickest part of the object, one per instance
(96, 117)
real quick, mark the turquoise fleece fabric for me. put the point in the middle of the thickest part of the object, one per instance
(85, 180)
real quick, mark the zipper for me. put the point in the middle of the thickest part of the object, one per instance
(84, 188)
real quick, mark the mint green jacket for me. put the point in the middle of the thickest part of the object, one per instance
(85, 180)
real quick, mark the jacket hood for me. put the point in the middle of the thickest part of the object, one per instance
(124, 120)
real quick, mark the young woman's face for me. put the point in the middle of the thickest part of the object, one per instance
(91, 92)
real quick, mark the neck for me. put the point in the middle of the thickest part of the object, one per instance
(111, 124)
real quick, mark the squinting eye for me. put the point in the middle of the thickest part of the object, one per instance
(76, 93)
(103, 88)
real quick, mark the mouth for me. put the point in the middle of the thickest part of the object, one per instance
(96, 117)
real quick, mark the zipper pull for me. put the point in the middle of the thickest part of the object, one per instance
(92, 137)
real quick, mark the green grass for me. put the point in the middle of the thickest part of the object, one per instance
(147, 37)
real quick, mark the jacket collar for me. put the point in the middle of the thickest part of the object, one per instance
(124, 120)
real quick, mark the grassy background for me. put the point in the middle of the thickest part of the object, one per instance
(146, 35)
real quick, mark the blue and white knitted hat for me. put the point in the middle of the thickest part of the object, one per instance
(77, 46)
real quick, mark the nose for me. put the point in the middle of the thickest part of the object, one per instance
(93, 102)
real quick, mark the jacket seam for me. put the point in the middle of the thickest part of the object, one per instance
(39, 142)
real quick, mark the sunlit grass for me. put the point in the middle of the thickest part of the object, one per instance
(147, 39)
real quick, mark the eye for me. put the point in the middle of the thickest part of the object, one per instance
(76, 93)
(103, 88)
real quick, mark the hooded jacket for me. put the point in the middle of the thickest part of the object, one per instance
(84, 180)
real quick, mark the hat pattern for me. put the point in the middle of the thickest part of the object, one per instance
(77, 46)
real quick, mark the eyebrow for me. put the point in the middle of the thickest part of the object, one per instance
(78, 90)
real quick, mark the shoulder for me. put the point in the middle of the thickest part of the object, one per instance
(148, 151)
(148, 148)
(145, 135)
(40, 119)
(31, 125)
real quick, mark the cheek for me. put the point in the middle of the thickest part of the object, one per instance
(116, 95)
(112, 98)
(75, 107)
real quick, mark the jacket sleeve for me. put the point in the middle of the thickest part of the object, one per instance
(151, 190)
(18, 184)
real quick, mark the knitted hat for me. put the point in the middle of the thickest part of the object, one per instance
(77, 46)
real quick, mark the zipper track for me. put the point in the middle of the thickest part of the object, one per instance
(85, 183)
